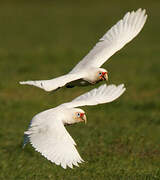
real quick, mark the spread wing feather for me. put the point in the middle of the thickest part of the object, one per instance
(48, 136)
(53, 84)
(103, 94)
(115, 38)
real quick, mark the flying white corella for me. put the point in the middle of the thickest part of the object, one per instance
(48, 135)
(88, 70)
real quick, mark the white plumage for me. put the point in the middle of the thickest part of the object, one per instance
(48, 135)
(114, 39)
(88, 70)
(103, 94)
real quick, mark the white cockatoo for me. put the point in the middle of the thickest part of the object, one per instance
(88, 70)
(47, 132)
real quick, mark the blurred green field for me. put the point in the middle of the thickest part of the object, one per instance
(45, 39)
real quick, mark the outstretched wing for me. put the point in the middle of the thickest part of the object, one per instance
(115, 38)
(103, 94)
(48, 136)
(53, 84)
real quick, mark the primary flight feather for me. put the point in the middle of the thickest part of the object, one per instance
(88, 70)
(47, 132)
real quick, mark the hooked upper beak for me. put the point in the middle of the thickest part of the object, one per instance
(104, 76)
(83, 117)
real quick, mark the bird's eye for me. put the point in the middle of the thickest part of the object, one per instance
(78, 114)
(100, 73)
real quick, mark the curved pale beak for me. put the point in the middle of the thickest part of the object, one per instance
(83, 117)
(105, 76)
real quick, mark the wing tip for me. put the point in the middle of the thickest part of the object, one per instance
(122, 87)
(21, 82)
(59, 163)
(80, 160)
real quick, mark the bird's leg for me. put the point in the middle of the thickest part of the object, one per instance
(67, 124)
(69, 86)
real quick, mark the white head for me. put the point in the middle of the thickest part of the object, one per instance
(74, 115)
(103, 74)
(96, 75)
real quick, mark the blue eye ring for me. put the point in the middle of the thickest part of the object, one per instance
(78, 114)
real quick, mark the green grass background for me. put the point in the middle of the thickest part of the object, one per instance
(44, 39)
